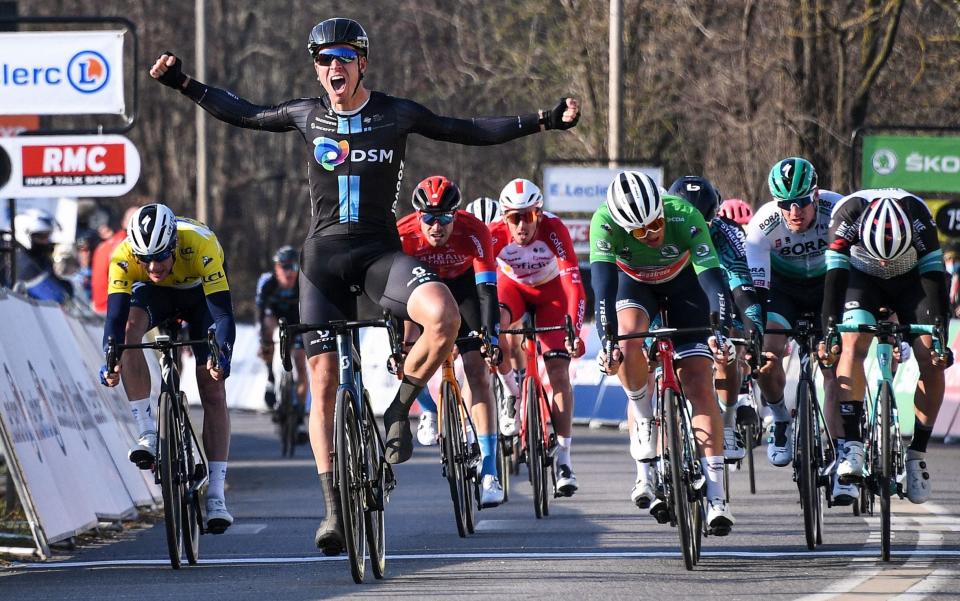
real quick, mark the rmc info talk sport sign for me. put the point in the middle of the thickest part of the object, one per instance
(61, 73)
(914, 163)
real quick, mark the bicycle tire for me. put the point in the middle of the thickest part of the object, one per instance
(678, 497)
(288, 412)
(374, 518)
(503, 466)
(350, 481)
(170, 486)
(471, 487)
(191, 502)
(535, 451)
(886, 481)
(452, 436)
(748, 438)
(806, 465)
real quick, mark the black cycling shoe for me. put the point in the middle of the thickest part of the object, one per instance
(399, 445)
(270, 398)
(329, 537)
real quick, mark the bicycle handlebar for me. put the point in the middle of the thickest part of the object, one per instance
(567, 326)
(287, 331)
(161, 343)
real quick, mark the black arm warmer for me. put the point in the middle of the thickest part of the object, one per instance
(714, 285)
(935, 289)
(834, 291)
(118, 308)
(234, 110)
(748, 304)
(489, 309)
(479, 131)
(603, 279)
(221, 309)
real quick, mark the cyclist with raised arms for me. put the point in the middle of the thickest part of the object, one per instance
(456, 246)
(356, 140)
(744, 316)
(278, 294)
(651, 251)
(786, 245)
(538, 269)
(173, 267)
(884, 252)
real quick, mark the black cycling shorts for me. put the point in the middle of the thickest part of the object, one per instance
(902, 294)
(464, 290)
(790, 298)
(684, 301)
(189, 304)
(337, 269)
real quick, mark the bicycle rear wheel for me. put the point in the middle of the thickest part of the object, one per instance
(536, 453)
(749, 433)
(171, 486)
(678, 485)
(350, 485)
(806, 465)
(191, 501)
(452, 436)
(503, 466)
(288, 410)
(885, 479)
(374, 516)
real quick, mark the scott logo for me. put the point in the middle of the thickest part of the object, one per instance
(88, 71)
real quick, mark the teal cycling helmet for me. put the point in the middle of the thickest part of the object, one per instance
(791, 178)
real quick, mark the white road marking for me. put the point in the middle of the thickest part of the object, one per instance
(246, 529)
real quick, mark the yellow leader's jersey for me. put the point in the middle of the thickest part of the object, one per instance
(198, 260)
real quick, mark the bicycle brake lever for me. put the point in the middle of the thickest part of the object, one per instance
(214, 348)
(112, 354)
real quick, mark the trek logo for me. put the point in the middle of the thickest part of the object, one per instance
(330, 153)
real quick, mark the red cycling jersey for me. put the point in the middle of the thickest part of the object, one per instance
(469, 246)
(535, 265)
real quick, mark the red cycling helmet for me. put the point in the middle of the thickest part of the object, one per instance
(736, 210)
(436, 194)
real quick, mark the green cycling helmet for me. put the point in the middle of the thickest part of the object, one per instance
(793, 177)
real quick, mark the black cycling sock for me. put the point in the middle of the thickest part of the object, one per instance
(850, 416)
(921, 436)
(332, 507)
(407, 393)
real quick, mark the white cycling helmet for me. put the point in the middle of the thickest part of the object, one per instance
(152, 231)
(885, 230)
(33, 221)
(485, 209)
(520, 194)
(634, 200)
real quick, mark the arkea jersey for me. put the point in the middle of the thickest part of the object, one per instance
(686, 241)
(469, 246)
(846, 251)
(198, 262)
(773, 248)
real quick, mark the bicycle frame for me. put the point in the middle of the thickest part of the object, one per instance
(531, 349)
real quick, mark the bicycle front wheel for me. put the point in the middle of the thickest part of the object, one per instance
(807, 466)
(376, 489)
(171, 485)
(288, 410)
(191, 501)
(679, 498)
(350, 484)
(885, 480)
(536, 453)
(454, 456)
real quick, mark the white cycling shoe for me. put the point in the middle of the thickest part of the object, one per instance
(844, 494)
(780, 443)
(733, 449)
(643, 494)
(427, 430)
(643, 440)
(491, 493)
(141, 454)
(508, 425)
(719, 517)
(852, 458)
(918, 479)
(218, 518)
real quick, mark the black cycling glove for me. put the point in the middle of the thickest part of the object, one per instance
(553, 119)
(174, 77)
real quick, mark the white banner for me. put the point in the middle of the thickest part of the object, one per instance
(569, 189)
(61, 73)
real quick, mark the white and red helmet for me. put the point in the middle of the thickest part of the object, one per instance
(885, 230)
(520, 195)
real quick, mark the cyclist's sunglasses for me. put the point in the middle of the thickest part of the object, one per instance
(290, 266)
(441, 218)
(325, 57)
(802, 202)
(155, 257)
(651, 228)
(518, 217)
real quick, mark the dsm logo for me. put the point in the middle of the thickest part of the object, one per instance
(88, 71)
(330, 153)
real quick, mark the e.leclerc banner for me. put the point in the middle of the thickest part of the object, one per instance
(914, 163)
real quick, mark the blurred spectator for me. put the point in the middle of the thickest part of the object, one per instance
(36, 276)
(111, 232)
(951, 259)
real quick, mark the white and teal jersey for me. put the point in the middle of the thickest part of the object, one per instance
(773, 248)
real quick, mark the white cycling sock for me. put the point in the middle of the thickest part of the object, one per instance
(644, 469)
(779, 411)
(143, 415)
(729, 415)
(509, 382)
(218, 474)
(713, 470)
(640, 402)
(563, 450)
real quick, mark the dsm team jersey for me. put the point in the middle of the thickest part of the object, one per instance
(469, 246)
(198, 262)
(845, 250)
(773, 248)
(355, 160)
(686, 241)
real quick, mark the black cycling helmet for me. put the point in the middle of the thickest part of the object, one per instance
(699, 192)
(286, 255)
(338, 31)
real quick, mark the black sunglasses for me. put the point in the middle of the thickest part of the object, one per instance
(325, 57)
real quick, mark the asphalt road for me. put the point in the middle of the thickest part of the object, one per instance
(595, 545)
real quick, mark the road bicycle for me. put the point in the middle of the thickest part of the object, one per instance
(362, 477)
(885, 464)
(290, 414)
(537, 443)
(747, 415)
(179, 465)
